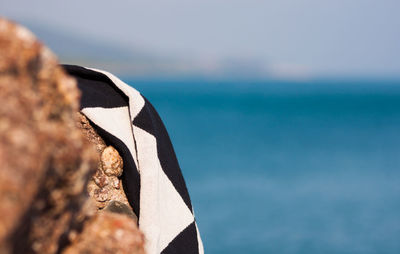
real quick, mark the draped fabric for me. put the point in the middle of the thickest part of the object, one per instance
(152, 178)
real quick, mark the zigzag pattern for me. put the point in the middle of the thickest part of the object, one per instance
(152, 177)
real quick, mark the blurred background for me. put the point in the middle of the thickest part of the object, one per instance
(285, 114)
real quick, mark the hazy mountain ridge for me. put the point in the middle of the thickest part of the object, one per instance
(80, 49)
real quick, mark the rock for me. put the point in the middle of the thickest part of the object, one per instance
(118, 207)
(46, 161)
(117, 233)
(105, 185)
(90, 133)
(111, 162)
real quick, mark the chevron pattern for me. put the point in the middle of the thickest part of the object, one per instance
(152, 177)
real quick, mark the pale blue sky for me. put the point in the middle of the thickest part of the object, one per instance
(319, 37)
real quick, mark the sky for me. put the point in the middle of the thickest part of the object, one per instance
(314, 37)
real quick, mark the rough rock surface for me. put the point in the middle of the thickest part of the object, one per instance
(105, 187)
(115, 233)
(46, 162)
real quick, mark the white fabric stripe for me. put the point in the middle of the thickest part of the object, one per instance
(201, 248)
(163, 213)
(115, 121)
(136, 101)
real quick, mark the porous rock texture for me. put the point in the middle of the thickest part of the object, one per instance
(45, 160)
(105, 186)
(114, 231)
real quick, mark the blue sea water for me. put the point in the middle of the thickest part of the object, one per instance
(288, 167)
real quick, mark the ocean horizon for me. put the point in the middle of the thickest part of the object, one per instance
(287, 166)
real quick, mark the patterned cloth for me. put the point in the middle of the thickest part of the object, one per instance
(152, 178)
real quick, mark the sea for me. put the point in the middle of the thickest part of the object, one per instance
(286, 167)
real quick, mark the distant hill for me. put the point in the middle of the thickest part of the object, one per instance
(72, 45)
(80, 49)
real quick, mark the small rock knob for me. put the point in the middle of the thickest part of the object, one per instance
(111, 161)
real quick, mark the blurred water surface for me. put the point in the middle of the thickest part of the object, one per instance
(288, 167)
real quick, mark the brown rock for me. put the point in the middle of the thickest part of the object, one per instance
(46, 162)
(105, 185)
(111, 162)
(117, 233)
(90, 133)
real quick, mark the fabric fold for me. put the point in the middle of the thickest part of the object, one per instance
(152, 178)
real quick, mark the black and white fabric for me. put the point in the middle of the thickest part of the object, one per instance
(152, 178)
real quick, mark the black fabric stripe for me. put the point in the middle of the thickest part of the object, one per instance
(130, 175)
(184, 243)
(149, 120)
(97, 89)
